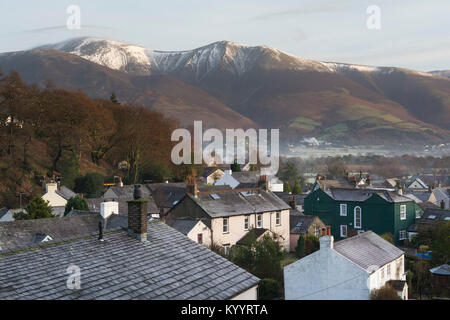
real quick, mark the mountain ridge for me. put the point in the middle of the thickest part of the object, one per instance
(269, 88)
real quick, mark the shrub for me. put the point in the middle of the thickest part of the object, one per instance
(76, 203)
(384, 293)
(300, 249)
(268, 289)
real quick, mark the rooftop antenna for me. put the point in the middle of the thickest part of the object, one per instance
(100, 231)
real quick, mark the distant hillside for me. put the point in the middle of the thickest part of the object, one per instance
(229, 85)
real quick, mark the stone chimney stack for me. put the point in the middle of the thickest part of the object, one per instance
(263, 183)
(137, 216)
(192, 187)
(369, 180)
(442, 204)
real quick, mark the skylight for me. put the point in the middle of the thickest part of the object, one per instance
(299, 224)
(446, 218)
(215, 196)
(431, 217)
(247, 193)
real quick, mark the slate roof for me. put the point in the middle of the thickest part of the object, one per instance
(167, 194)
(170, 266)
(20, 234)
(233, 203)
(300, 224)
(253, 234)
(419, 181)
(65, 192)
(183, 225)
(207, 171)
(361, 195)
(441, 215)
(326, 184)
(442, 270)
(421, 195)
(368, 249)
(94, 204)
(3, 211)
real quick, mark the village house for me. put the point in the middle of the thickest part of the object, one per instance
(147, 261)
(248, 179)
(302, 225)
(415, 183)
(211, 175)
(346, 270)
(351, 211)
(430, 221)
(57, 196)
(231, 213)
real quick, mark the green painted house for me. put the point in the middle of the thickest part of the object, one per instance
(350, 211)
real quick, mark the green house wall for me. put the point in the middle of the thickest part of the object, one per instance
(377, 214)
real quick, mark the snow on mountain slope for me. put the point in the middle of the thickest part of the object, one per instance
(441, 73)
(233, 57)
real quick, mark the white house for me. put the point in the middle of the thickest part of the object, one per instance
(57, 196)
(346, 270)
(416, 183)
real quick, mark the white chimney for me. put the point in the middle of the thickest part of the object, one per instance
(51, 187)
(108, 208)
(326, 242)
(228, 172)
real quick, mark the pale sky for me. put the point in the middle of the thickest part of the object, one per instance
(414, 34)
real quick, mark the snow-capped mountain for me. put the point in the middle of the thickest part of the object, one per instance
(226, 85)
(442, 73)
(235, 58)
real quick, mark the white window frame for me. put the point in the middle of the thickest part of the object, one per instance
(316, 231)
(342, 227)
(225, 225)
(278, 218)
(342, 212)
(259, 222)
(403, 212)
(226, 248)
(246, 222)
(400, 232)
(360, 218)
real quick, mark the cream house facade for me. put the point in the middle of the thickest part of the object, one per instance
(230, 214)
(229, 230)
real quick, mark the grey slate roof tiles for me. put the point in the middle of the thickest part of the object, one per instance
(368, 249)
(170, 267)
(342, 194)
(234, 203)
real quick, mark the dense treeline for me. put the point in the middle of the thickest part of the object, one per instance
(49, 131)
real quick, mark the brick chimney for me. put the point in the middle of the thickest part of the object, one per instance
(354, 183)
(137, 216)
(293, 202)
(192, 187)
(263, 183)
(369, 180)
